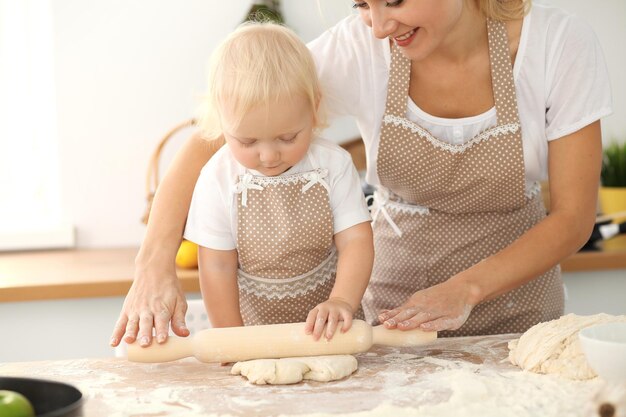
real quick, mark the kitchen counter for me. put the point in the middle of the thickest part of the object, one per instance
(84, 273)
(456, 376)
(30, 276)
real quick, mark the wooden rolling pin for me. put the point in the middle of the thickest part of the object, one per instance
(232, 344)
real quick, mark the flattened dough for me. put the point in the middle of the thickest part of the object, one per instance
(294, 370)
(552, 347)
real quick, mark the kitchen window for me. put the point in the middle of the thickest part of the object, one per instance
(30, 197)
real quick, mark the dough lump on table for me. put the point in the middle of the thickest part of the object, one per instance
(294, 370)
(552, 347)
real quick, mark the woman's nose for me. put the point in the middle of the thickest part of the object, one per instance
(382, 24)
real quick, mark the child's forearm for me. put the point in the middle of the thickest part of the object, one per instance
(218, 283)
(221, 300)
(354, 267)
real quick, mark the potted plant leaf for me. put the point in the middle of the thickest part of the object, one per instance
(265, 11)
(613, 189)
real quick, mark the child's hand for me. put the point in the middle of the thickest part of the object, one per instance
(332, 312)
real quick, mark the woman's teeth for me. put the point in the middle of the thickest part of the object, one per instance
(406, 35)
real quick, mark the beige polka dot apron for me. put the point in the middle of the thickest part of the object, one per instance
(443, 208)
(287, 260)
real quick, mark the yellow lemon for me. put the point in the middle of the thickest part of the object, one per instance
(187, 256)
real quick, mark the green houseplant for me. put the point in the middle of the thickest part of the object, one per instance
(613, 189)
(265, 11)
(614, 165)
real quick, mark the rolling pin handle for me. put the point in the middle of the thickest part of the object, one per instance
(173, 349)
(401, 338)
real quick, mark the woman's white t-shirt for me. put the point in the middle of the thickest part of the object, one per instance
(561, 82)
(212, 219)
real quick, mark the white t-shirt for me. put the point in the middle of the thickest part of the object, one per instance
(212, 219)
(561, 81)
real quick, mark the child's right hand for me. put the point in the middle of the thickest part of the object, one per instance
(329, 314)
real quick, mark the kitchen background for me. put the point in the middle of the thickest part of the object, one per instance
(121, 74)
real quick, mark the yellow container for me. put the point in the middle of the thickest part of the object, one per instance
(613, 200)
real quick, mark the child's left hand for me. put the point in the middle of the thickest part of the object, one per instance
(332, 311)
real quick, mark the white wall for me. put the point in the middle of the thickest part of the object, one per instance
(127, 72)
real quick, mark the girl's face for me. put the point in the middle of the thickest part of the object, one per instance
(270, 138)
(418, 27)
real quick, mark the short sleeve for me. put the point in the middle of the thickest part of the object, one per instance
(347, 200)
(338, 68)
(209, 220)
(579, 91)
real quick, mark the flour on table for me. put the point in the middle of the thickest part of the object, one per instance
(553, 348)
(294, 370)
(471, 391)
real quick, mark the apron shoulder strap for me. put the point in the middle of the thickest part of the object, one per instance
(398, 84)
(502, 73)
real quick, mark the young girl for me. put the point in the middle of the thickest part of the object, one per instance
(281, 221)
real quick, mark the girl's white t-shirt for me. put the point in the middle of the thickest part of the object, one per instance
(561, 81)
(212, 219)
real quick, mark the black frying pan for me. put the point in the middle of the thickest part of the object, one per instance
(49, 398)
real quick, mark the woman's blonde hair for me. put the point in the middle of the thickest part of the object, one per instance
(258, 63)
(504, 9)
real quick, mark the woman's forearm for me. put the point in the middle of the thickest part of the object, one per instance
(534, 253)
(156, 298)
(171, 201)
(574, 169)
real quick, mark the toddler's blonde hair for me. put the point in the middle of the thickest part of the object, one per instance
(257, 64)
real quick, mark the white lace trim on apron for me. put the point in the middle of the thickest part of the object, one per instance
(423, 133)
(383, 202)
(306, 283)
(252, 182)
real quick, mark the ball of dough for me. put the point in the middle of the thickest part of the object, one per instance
(294, 370)
(552, 347)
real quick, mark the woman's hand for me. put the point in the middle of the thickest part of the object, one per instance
(332, 312)
(444, 306)
(155, 298)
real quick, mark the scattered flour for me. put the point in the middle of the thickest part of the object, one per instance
(472, 391)
(159, 402)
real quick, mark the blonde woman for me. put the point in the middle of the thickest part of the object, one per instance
(463, 105)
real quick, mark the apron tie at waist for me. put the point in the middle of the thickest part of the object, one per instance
(315, 177)
(381, 209)
(246, 183)
(390, 221)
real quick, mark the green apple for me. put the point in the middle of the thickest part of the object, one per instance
(14, 404)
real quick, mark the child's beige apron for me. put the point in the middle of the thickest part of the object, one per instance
(287, 259)
(443, 208)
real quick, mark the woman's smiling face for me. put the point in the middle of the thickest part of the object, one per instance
(418, 27)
